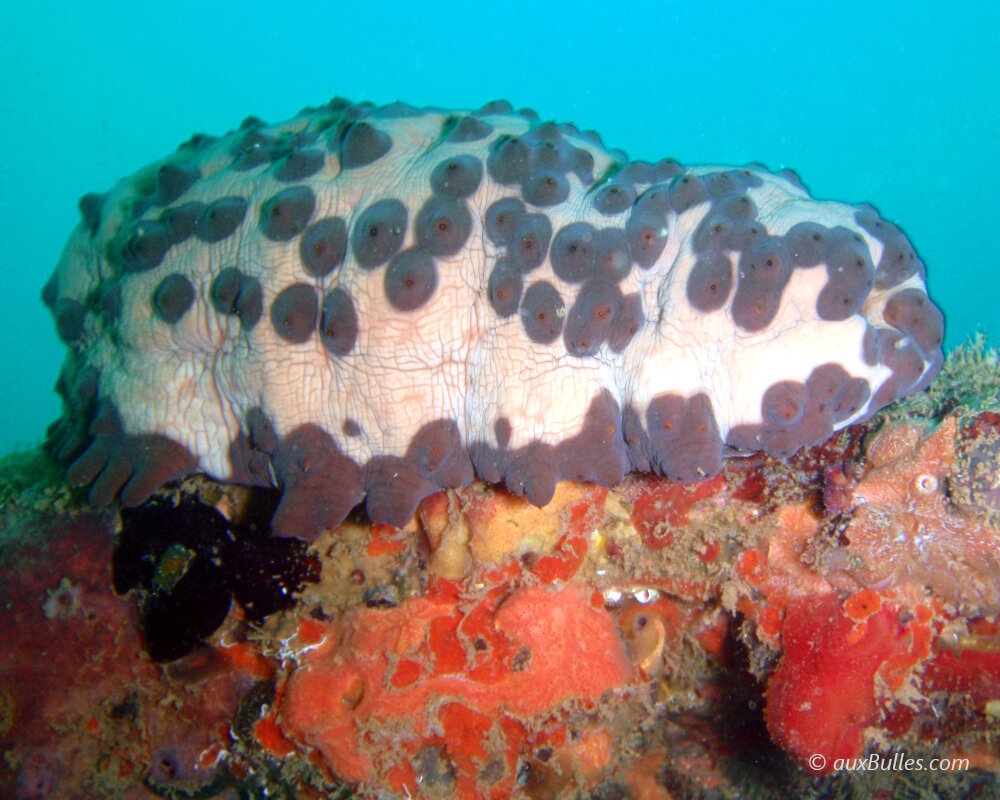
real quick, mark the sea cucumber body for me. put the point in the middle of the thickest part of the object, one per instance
(370, 304)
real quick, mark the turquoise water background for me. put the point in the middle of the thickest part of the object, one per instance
(897, 104)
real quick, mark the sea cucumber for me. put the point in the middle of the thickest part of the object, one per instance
(373, 303)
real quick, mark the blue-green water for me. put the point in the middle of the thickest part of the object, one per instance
(893, 103)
